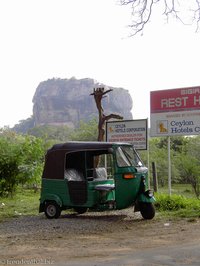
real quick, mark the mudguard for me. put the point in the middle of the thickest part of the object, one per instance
(147, 196)
(49, 197)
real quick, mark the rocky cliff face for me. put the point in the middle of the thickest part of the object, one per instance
(67, 101)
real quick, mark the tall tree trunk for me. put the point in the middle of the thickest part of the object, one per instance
(98, 94)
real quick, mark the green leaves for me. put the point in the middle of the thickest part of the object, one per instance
(185, 160)
(86, 131)
(170, 203)
(21, 160)
(177, 205)
(22, 156)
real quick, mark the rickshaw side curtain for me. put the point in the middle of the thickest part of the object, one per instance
(54, 165)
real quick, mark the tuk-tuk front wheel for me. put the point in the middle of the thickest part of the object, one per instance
(147, 210)
(52, 210)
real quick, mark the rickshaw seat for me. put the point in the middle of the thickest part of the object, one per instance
(105, 187)
(72, 174)
(100, 173)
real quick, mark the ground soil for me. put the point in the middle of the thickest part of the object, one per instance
(88, 237)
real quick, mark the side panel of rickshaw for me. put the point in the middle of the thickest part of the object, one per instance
(126, 189)
(128, 182)
(58, 190)
(53, 189)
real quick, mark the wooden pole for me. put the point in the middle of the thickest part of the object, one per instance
(155, 180)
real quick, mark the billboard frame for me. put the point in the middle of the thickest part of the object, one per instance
(125, 135)
(175, 112)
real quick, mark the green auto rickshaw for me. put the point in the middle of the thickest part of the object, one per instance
(96, 176)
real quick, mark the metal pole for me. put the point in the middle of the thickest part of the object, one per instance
(169, 167)
(149, 181)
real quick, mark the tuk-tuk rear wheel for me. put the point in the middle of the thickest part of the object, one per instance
(52, 210)
(147, 210)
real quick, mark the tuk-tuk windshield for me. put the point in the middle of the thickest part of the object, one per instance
(127, 156)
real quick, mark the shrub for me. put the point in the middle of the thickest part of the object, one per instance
(177, 206)
(170, 203)
(21, 160)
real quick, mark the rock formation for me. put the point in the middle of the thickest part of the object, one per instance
(68, 101)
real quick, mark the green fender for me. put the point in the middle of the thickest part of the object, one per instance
(144, 197)
(51, 197)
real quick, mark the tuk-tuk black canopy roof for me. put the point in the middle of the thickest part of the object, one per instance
(80, 145)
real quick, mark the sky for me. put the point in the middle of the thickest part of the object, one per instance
(44, 39)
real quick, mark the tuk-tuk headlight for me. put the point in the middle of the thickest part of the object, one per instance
(149, 193)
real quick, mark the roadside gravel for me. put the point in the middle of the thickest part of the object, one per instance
(85, 223)
(90, 236)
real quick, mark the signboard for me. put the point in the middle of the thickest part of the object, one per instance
(175, 112)
(131, 131)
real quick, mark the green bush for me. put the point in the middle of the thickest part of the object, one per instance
(170, 203)
(21, 161)
(177, 206)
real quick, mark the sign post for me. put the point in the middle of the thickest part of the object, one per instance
(169, 168)
(175, 112)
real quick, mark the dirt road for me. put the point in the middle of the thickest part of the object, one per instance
(108, 238)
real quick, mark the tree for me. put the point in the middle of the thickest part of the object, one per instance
(158, 154)
(51, 132)
(9, 161)
(31, 155)
(86, 131)
(21, 160)
(99, 94)
(24, 125)
(177, 143)
(190, 170)
(189, 163)
(185, 11)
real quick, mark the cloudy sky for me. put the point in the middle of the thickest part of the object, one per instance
(42, 39)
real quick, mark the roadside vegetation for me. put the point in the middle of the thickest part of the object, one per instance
(22, 159)
(177, 206)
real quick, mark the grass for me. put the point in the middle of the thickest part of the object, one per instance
(179, 189)
(24, 202)
(181, 204)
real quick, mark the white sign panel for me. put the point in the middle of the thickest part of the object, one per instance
(131, 131)
(175, 112)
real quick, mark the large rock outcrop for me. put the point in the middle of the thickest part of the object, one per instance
(67, 101)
